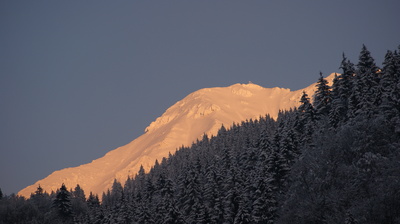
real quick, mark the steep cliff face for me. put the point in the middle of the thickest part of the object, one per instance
(203, 111)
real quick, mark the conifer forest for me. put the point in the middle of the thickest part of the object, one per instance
(334, 159)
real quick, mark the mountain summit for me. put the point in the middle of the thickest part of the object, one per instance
(201, 112)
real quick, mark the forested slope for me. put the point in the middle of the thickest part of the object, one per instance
(334, 159)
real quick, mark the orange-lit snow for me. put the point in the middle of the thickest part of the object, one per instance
(203, 111)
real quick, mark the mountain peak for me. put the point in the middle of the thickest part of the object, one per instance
(249, 85)
(201, 112)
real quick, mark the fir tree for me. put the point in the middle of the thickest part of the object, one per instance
(79, 193)
(78, 202)
(338, 106)
(192, 198)
(212, 189)
(140, 180)
(170, 213)
(144, 216)
(42, 202)
(305, 119)
(94, 213)
(117, 192)
(230, 200)
(129, 189)
(106, 199)
(322, 97)
(367, 83)
(39, 191)
(278, 168)
(93, 201)
(62, 203)
(390, 89)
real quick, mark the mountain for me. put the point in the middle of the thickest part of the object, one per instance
(201, 112)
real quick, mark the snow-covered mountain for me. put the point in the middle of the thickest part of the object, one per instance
(203, 111)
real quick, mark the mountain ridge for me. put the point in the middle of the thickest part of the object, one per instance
(200, 112)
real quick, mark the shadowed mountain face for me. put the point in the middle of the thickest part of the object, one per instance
(201, 112)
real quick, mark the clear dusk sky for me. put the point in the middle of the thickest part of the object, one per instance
(80, 78)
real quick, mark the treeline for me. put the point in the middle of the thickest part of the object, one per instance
(334, 159)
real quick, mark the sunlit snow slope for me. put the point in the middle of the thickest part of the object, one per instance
(203, 111)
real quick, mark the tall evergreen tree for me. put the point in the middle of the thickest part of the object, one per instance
(39, 191)
(62, 203)
(117, 192)
(170, 214)
(212, 191)
(367, 83)
(278, 168)
(230, 201)
(344, 99)
(305, 119)
(78, 202)
(390, 89)
(322, 97)
(79, 193)
(192, 196)
(338, 107)
(143, 214)
(106, 200)
(93, 204)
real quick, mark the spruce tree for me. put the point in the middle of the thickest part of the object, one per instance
(338, 107)
(278, 168)
(264, 205)
(79, 193)
(305, 119)
(93, 201)
(140, 181)
(343, 94)
(93, 205)
(322, 97)
(62, 203)
(345, 84)
(78, 202)
(143, 214)
(106, 199)
(116, 193)
(212, 192)
(170, 214)
(344, 91)
(39, 191)
(367, 73)
(192, 198)
(390, 89)
(230, 200)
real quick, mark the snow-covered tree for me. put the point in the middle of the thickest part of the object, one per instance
(62, 203)
(367, 83)
(322, 97)
(117, 193)
(390, 88)
(78, 202)
(305, 119)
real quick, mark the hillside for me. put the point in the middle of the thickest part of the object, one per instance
(203, 111)
(334, 159)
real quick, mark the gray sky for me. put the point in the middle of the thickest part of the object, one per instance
(80, 78)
